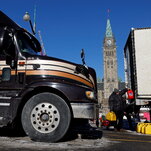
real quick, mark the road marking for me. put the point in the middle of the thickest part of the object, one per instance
(129, 140)
(122, 136)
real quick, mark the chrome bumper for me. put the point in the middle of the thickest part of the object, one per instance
(85, 110)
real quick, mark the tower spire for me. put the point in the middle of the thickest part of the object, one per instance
(108, 33)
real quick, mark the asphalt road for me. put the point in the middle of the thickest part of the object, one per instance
(110, 141)
(127, 141)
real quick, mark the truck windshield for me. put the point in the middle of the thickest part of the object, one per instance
(27, 43)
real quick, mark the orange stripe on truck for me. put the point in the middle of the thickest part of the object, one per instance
(54, 73)
(60, 74)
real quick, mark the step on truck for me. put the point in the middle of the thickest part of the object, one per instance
(137, 59)
(41, 94)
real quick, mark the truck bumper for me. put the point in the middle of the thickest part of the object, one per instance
(85, 110)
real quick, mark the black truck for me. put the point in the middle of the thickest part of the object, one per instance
(41, 94)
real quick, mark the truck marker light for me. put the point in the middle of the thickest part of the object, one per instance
(22, 63)
(90, 94)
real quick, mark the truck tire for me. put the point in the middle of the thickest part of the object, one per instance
(46, 117)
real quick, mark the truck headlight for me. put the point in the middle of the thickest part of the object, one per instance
(90, 95)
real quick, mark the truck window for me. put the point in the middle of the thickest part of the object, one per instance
(26, 43)
(7, 48)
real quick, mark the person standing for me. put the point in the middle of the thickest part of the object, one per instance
(117, 104)
(128, 112)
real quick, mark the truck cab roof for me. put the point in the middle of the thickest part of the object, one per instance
(6, 21)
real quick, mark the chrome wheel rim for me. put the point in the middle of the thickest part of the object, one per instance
(45, 117)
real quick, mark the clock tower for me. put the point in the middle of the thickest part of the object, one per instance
(110, 62)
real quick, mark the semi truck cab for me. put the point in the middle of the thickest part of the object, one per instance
(42, 93)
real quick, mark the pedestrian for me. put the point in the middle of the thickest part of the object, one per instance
(128, 112)
(132, 110)
(117, 105)
(97, 122)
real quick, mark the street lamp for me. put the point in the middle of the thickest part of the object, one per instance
(26, 17)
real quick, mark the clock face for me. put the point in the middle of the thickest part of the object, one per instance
(109, 42)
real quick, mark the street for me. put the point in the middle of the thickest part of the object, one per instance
(127, 141)
(111, 140)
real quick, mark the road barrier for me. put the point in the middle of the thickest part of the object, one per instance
(144, 128)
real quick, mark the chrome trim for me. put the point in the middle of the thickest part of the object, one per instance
(5, 97)
(4, 104)
(84, 110)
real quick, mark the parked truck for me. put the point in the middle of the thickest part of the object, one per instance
(42, 94)
(137, 57)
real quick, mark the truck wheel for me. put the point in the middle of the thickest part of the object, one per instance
(46, 117)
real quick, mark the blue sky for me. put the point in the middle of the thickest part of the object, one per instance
(67, 26)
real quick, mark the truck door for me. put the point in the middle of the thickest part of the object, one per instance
(11, 81)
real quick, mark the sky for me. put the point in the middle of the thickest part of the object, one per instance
(67, 26)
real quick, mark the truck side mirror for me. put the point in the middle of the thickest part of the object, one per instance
(6, 74)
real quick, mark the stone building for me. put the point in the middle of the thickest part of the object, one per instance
(110, 79)
(110, 62)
